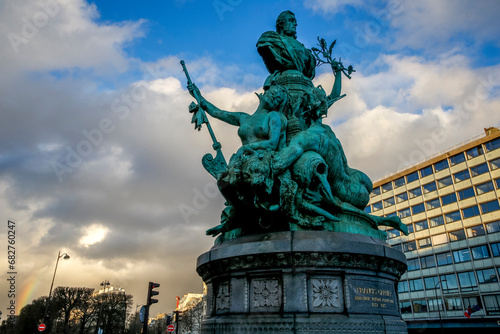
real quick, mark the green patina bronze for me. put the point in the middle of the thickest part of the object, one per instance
(291, 172)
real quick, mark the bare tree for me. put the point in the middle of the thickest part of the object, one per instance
(69, 301)
(113, 309)
(192, 318)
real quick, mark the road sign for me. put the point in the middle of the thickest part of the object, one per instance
(142, 313)
(170, 328)
(41, 327)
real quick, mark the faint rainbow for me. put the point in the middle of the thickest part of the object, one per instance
(26, 295)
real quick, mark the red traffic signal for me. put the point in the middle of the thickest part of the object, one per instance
(152, 293)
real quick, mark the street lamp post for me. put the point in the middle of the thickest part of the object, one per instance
(435, 293)
(59, 255)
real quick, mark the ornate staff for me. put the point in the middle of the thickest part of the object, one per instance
(213, 165)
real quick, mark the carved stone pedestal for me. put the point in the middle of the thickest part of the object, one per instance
(302, 282)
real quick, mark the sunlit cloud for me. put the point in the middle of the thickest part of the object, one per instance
(93, 234)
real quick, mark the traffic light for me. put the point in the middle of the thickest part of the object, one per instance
(152, 293)
(149, 301)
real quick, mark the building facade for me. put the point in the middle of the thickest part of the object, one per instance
(450, 203)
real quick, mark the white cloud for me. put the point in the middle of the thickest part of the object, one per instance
(61, 34)
(331, 6)
(93, 234)
(435, 25)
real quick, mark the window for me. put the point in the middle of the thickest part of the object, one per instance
(485, 188)
(432, 204)
(439, 239)
(487, 276)
(399, 182)
(375, 191)
(474, 152)
(495, 248)
(393, 234)
(387, 187)
(424, 243)
(436, 221)
(429, 187)
(490, 206)
(453, 304)
(470, 212)
(409, 246)
(410, 228)
(426, 171)
(389, 202)
(492, 304)
(415, 192)
(497, 182)
(470, 301)
(448, 199)
(452, 216)
(404, 213)
(368, 209)
(467, 281)
(461, 255)
(444, 182)
(401, 197)
(466, 193)
(479, 169)
(418, 208)
(475, 231)
(405, 307)
(419, 306)
(495, 164)
(461, 176)
(377, 206)
(428, 262)
(456, 159)
(441, 165)
(431, 282)
(392, 214)
(492, 145)
(416, 284)
(443, 259)
(413, 264)
(403, 286)
(457, 235)
(435, 305)
(449, 282)
(493, 227)
(412, 177)
(422, 225)
(480, 252)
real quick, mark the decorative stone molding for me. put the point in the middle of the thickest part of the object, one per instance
(325, 293)
(265, 293)
(223, 298)
(302, 259)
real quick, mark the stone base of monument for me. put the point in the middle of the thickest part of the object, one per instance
(302, 282)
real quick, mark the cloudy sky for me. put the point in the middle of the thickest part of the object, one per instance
(98, 158)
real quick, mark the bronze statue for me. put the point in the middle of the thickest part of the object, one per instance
(291, 172)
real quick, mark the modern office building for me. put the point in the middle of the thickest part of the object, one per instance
(450, 203)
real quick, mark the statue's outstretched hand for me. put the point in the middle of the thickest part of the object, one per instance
(194, 90)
